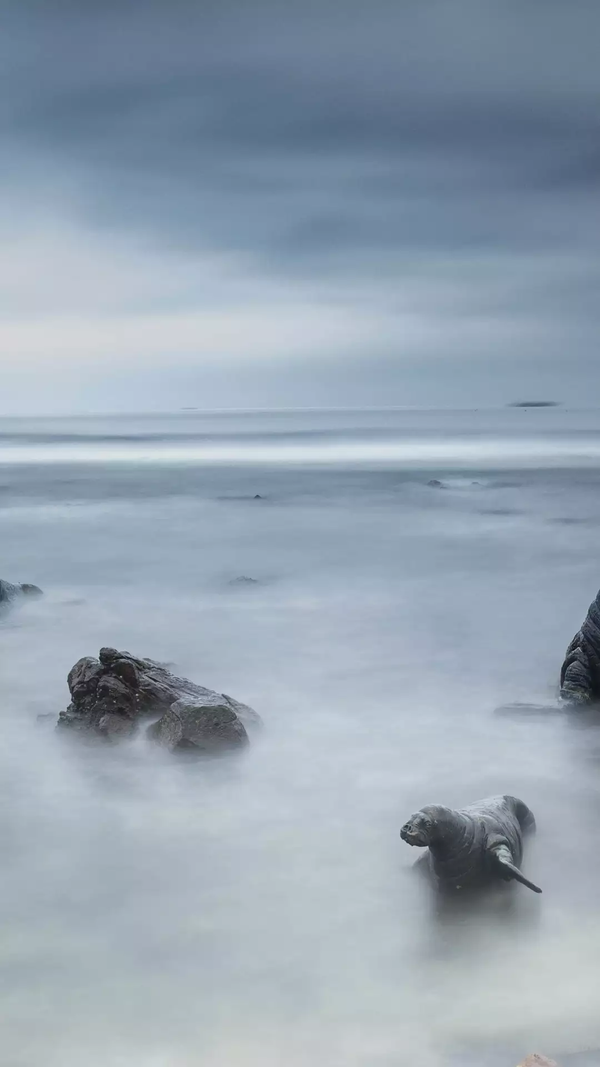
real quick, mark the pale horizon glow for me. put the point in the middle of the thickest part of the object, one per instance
(447, 454)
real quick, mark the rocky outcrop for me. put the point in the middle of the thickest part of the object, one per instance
(9, 592)
(580, 672)
(111, 695)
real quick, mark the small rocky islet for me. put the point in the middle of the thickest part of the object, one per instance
(114, 694)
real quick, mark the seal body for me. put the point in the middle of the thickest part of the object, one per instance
(473, 846)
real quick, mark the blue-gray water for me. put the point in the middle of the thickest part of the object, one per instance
(259, 912)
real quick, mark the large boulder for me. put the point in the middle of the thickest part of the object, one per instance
(9, 592)
(580, 672)
(112, 694)
(198, 726)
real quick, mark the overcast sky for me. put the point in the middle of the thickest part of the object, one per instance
(254, 203)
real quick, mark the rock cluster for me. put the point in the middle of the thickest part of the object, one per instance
(112, 694)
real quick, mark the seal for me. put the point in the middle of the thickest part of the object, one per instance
(474, 846)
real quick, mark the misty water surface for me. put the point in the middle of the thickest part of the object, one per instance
(261, 911)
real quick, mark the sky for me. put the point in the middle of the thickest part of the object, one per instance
(251, 203)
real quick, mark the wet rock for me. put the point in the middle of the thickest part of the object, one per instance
(9, 592)
(200, 727)
(580, 672)
(434, 483)
(112, 694)
(243, 580)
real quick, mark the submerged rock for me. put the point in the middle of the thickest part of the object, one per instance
(112, 694)
(580, 672)
(10, 592)
(434, 483)
(243, 580)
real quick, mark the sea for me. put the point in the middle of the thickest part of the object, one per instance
(416, 573)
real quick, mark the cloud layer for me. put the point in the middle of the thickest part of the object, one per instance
(273, 203)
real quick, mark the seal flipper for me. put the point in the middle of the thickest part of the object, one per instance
(502, 861)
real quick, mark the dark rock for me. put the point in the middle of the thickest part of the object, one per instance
(434, 483)
(9, 592)
(580, 672)
(242, 580)
(83, 678)
(258, 497)
(200, 727)
(109, 655)
(112, 694)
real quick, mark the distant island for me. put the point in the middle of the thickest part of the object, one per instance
(534, 404)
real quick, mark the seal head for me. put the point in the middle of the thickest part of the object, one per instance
(418, 830)
(427, 826)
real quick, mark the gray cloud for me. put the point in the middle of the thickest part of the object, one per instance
(431, 158)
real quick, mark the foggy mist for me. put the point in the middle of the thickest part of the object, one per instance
(262, 908)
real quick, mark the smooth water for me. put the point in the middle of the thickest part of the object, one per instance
(261, 911)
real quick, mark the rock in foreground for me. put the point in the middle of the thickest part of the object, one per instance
(112, 694)
(580, 673)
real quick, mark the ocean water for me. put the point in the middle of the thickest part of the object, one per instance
(261, 911)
